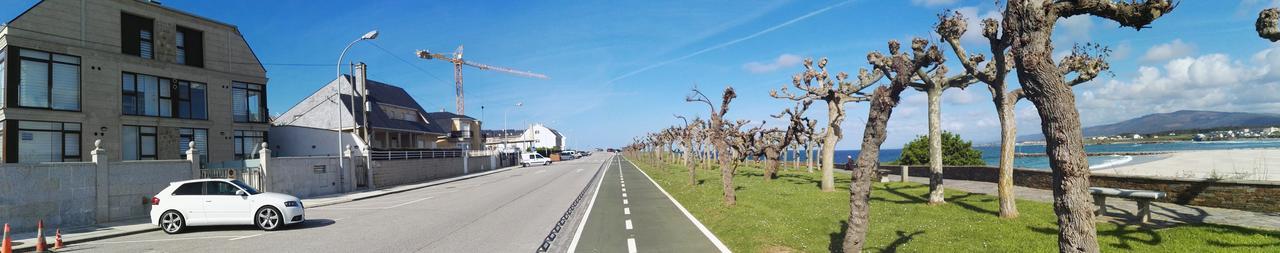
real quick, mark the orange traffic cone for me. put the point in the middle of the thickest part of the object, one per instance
(57, 239)
(40, 243)
(7, 245)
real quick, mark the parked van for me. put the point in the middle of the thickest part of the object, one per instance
(527, 159)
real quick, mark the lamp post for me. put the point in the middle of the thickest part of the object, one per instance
(338, 73)
(505, 132)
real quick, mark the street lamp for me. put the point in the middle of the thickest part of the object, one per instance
(338, 74)
(505, 131)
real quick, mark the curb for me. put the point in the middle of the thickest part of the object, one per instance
(30, 246)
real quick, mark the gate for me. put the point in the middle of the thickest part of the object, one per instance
(247, 171)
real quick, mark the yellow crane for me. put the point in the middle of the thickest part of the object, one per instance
(458, 62)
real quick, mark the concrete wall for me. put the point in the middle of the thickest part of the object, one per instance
(82, 193)
(1258, 196)
(305, 176)
(59, 193)
(294, 141)
(397, 172)
(131, 184)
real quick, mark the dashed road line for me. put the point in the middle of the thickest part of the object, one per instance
(624, 201)
(629, 224)
(631, 245)
(573, 245)
(626, 210)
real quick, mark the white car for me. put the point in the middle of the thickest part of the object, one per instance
(527, 159)
(203, 202)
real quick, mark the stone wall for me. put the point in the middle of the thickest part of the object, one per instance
(131, 184)
(397, 172)
(1259, 196)
(305, 177)
(59, 193)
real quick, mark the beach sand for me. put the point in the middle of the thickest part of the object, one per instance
(1240, 164)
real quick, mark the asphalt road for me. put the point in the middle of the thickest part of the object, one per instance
(631, 214)
(510, 211)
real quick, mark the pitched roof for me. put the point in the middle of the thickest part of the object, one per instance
(318, 110)
(447, 115)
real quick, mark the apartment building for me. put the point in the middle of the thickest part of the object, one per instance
(143, 78)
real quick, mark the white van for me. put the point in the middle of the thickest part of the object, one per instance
(527, 159)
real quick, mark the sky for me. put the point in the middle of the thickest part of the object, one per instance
(620, 69)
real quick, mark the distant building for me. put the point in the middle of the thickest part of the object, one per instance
(536, 136)
(144, 78)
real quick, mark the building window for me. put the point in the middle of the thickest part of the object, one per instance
(48, 80)
(248, 102)
(138, 143)
(40, 141)
(190, 47)
(200, 136)
(136, 35)
(247, 143)
(4, 59)
(147, 95)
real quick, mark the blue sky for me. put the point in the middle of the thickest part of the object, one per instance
(621, 68)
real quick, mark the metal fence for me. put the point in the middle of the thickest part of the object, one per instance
(247, 171)
(416, 154)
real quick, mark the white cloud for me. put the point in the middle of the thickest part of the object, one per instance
(1167, 51)
(1207, 82)
(933, 3)
(959, 96)
(1121, 51)
(1075, 29)
(783, 61)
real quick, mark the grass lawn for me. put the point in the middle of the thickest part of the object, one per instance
(791, 214)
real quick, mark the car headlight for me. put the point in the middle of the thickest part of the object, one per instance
(292, 204)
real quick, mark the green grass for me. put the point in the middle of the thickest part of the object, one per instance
(791, 214)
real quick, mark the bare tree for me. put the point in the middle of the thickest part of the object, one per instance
(933, 84)
(1029, 24)
(777, 141)
(718, 137)
(951, 27)
(816, 84)
(902, 69)
(686, 138)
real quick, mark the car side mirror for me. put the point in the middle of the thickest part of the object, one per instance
(241, 193)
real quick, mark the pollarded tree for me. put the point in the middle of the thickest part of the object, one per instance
(1029, 24)
(686, 138)
(1267, 24)
(933, 84)
(993, 74)
(816, 84)
(902, 69)
(777, 141)
(718, 137)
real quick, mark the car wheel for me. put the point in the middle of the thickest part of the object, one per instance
(524, 165)
(268, 218)
(172, 222)
(546, 163)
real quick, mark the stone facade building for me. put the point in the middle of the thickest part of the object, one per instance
(142, 77)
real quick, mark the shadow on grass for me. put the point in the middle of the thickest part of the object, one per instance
(903, 238)
(963, 201)
(1275, 235)
(837, 238)
(1125, 234)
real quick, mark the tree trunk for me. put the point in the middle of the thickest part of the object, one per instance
(883, 101)
(1031, 29)
(688, 161)
(835, 115)
(935, 146)
(808, 157)
(1008, 137)
(774, 159)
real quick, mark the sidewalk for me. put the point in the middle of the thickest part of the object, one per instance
(1161, 213)
(26, 241)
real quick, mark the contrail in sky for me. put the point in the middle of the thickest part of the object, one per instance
(731, 42)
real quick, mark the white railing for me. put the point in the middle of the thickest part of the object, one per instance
(416, 154)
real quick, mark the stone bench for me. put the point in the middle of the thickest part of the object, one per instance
(1143, 198)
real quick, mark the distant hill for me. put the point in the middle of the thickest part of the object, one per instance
(1176, 121)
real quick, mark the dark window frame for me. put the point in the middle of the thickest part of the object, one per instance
(192, 46)
(154, 138)
(175, 97)
(262, 102)
(240, 136)
(131, 27)
(16, 75)
(13, 128)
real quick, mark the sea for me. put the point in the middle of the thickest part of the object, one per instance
(991, 154)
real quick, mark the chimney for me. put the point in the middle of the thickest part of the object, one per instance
(361, 78)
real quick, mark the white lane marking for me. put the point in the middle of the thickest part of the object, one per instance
(573, 246)
(631, 245)
(714, 240)
(244, 237)
(162, 240)
(626, 210)
(624, 185)
(628, 224)
(624, 201)
(540, 171)
(624, 189)
(624, 195)
(576, 171)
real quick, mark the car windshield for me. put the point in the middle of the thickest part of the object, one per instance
(247, 189)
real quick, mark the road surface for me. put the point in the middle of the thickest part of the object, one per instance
(631, 214)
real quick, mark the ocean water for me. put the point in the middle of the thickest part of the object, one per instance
(991, 154)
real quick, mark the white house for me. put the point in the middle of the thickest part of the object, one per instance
(535, 136)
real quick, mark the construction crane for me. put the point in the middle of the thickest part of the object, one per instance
(458, 62)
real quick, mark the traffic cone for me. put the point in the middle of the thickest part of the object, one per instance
(7, 245)
(57, 239)
(40, 243)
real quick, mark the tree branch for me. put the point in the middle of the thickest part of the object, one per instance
(1130, 14)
